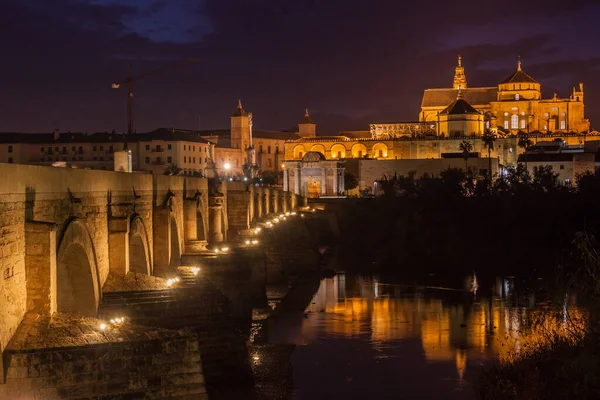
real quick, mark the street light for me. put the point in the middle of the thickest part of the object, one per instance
(227, 168)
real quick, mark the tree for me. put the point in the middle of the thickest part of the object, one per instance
(466, 148)
(545, 179)
(488, 141)
(350, 181)
(525, 143)
(173, 169)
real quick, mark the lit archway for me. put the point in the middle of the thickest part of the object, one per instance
(318, 148)
(139, 253)
(77, 289)
(380, 150)
(359, 150)
(338, 151)
(299, 152)
(175, 247)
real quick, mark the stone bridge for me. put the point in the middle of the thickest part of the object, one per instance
(64, 232)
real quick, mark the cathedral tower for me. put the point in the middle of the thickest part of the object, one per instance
(240, 128)
(460, 80)
(307, 128)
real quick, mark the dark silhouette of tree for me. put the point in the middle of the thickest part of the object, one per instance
(350, 181)
(465, 148)
(488, 141)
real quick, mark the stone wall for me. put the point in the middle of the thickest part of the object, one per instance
(94, 210)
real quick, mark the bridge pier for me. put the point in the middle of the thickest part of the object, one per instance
(118, 246)
(215, 214)
(161, 226)
(40, 262)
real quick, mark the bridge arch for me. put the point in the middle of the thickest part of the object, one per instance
(139, 248)
(77, 288)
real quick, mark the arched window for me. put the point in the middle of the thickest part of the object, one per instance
(505, 124)
(514, 121)
(517, 96)
(522, 124)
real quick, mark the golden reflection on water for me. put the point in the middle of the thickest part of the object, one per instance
(472, 329)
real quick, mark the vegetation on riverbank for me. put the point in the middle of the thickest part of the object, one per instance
(562, 361)
(455, 224)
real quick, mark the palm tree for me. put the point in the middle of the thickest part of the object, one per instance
(488, 141)
(172, 169)
(524, 143)
(465, 147)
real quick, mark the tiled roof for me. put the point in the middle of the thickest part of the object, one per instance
(541, 157)
(474, 96)
(460, 106)
(173, 135)
(519, 77)
(356, 134)
(68, 137)
(274, 135)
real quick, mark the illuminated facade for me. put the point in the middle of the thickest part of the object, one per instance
(514, 105)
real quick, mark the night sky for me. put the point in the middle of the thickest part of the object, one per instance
(351, 62)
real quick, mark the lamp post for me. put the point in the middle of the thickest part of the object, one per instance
(227, 167)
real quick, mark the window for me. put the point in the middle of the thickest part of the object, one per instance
(147, 147)
(523, 124)
(269, 149)
(42, 149)
(260, 149)
(194, 148)
(487, 124)
(169, 159)
(505, 124)
(147, 160)
(101, 148)
(158, 147)
(184, 159)
(205, 149)
(95, 148)
(194, 160)
(514, 121)
(567, 181)
(111, 149)
(10, 160)
(73, 148)
(80, 149)
(563, 124)
(269, 163)
(517, 96)
(184, 147)
(276, 149)
(562, 166)
(168, 147)
(10, 149)
(158, 160)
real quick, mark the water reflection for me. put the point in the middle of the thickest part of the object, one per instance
(376, 321)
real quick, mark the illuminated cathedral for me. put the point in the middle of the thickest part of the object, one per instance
(516, 104)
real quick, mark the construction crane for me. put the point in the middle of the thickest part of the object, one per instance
(130, 79)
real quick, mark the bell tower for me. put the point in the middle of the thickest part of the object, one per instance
(460, 80)
(240, 128)
(307, 128)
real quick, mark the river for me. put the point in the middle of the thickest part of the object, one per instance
(363, 339)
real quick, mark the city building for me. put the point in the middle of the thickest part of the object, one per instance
(567, 161)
